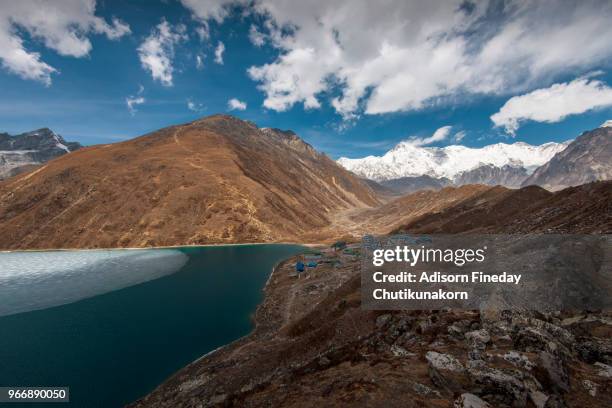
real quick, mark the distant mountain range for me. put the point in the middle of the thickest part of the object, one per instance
(451, 162)
(22, 152)
(407, 168)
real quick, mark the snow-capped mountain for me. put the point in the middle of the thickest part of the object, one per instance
(21, 152)
(457, 163)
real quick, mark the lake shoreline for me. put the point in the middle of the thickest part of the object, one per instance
(255, 322)
(308, 245)
(276, 316)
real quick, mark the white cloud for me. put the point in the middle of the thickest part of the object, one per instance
(62, 26)
(199, 61)
(205, 10)
(256, 37)
(409, 55)
(236, 104)
(607, 123)
(438, 136)
(219, 53)
(553, 104)
(195, 106)
(458, 137)
(134, 100)
(157, 51)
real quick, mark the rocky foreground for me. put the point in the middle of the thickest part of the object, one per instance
(314, 345)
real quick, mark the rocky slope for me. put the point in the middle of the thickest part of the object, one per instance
(407, 185)
(25, 151)
(215, 180)
(313, 345)
(582, 209)
(586, 159)
(494, 164)
(507, 176)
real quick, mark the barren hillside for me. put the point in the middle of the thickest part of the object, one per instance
(216, 180)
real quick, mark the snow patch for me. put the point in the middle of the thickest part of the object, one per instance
(59, 143)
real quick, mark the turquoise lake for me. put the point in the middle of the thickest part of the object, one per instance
(112, 325)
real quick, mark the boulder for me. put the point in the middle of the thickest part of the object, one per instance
(468, 400)
(446, 371)
(551, 372)
(445, 362)
(592, 349)
(478, 338)
(424, 390)
(505, 385)
(518, 359)
(604, 370)
(590, 387)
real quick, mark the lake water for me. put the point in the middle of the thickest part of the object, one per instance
(112, 325)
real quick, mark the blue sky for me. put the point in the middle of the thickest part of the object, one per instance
(401, 90)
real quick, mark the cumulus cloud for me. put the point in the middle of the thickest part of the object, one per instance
(553, 104)
(157, 51)
(236, 104)
(62, 26)
(205, 10)
(438, 136)
(219, 53)
(416, 54)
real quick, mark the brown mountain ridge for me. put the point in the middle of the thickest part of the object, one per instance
(215, 180)
(585, 209)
